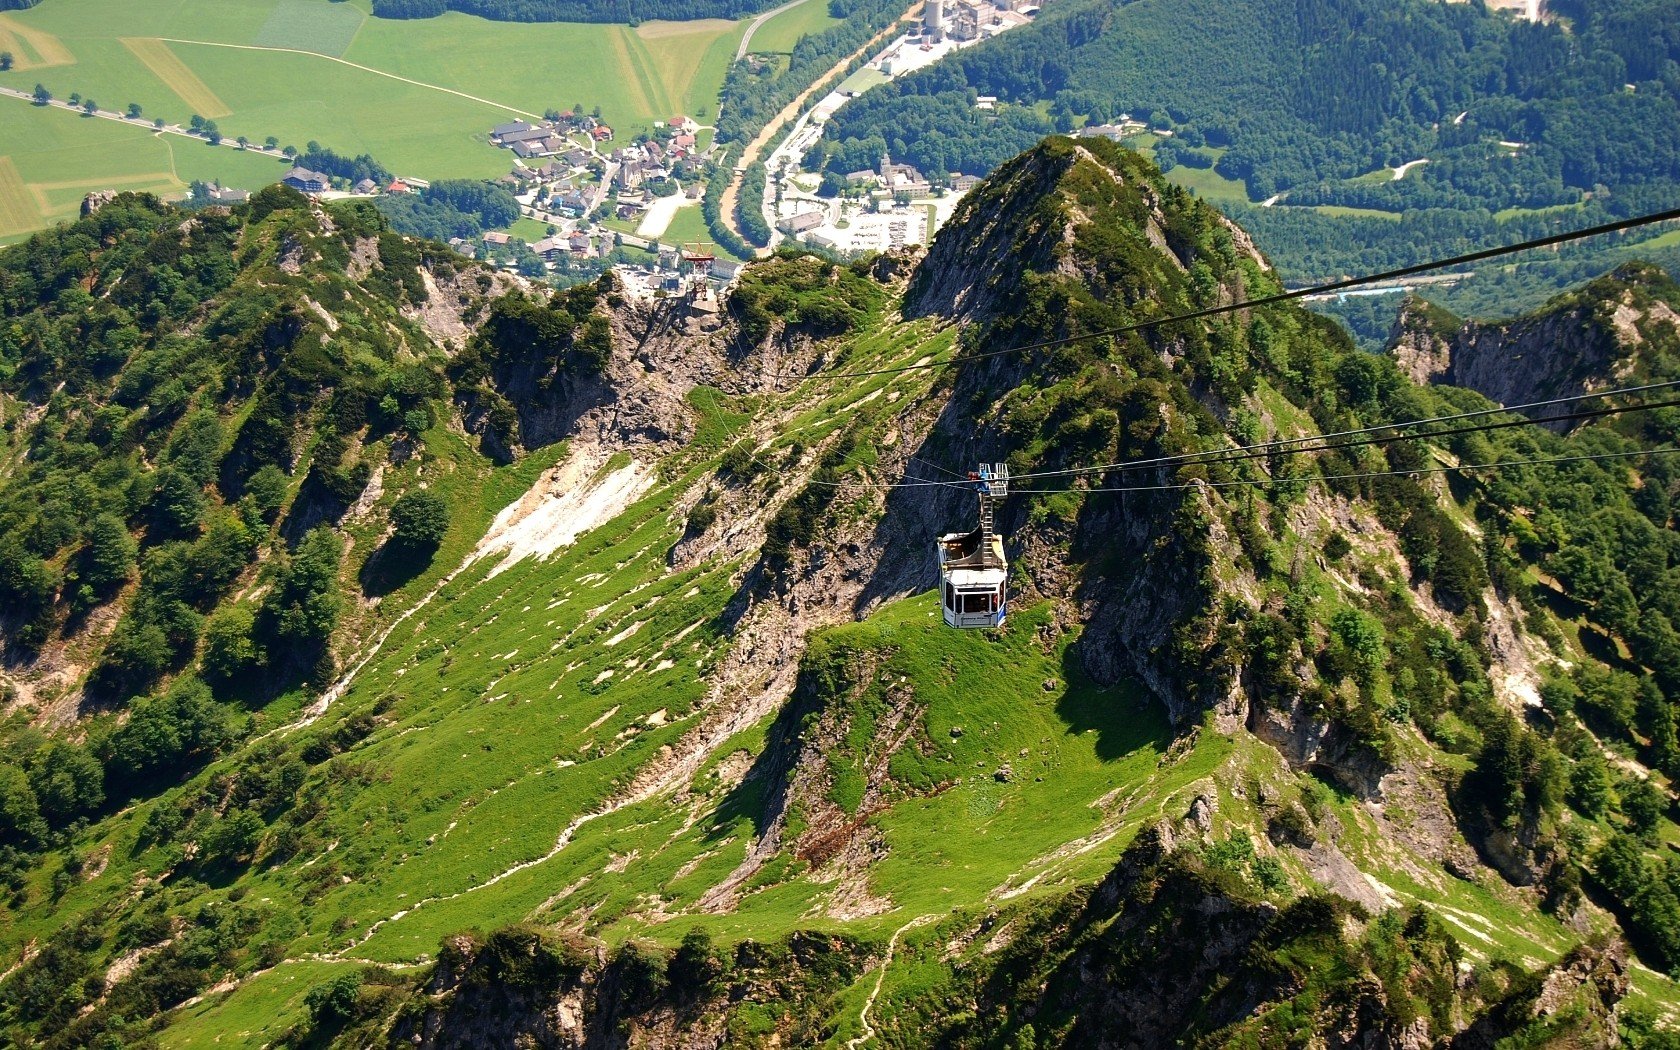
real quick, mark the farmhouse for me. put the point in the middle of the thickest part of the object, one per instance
(305, 181)
(496, 237)
(684, 125)
(541, 146)
(551, 248)
(504, 132)
(367, 187)
(525, 135)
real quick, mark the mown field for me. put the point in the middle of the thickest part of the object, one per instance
(419, 95)
(50, 160)
(782, 32)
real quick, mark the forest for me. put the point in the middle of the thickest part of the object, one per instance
(628, 11)
(450, 208)
(755, 90)
(1315, 101)
(141, 482)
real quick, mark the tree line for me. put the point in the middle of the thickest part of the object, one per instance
(1307, 99)
(628, 11)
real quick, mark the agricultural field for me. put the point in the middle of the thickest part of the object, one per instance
(779, 34)
(50, 160)
(420, 96)
(688, 227)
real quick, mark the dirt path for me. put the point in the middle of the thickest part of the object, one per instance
(880, 976)
(366, 69)
(732, 192)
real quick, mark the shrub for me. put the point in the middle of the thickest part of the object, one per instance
(421, 519)
(333, 1003)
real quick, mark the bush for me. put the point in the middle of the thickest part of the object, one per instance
(334, 1003)
(421, 519)
(108, 560)
(229, 649)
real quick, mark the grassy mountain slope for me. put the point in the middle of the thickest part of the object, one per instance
(675, 746)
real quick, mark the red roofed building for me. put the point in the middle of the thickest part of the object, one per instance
(397, 186)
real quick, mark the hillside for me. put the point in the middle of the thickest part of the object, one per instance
(1621, 327)
(645, 731)
(1371, 127)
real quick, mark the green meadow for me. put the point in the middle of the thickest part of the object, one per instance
(779, 34)
(51, 159)
(419, 95)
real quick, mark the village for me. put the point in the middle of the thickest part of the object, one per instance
(893, 204)
(602, 203)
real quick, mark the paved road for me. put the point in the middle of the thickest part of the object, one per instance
(167, 129)
(726, 207)
(741, 52)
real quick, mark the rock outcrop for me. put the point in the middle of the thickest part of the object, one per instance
(1582, 341)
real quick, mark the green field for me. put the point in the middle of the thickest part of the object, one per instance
(1208, 184)
(52, 159)
(688, 227)
(782, 32)
(418, 95)
(528, 230)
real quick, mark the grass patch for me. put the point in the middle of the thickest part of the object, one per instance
(862, 80)
(688, 227)
(307, 26)
(528, 230)
(164, 64)
(636, 76)
(32, 48)
(780, 33)
(16, 215)
(1208, 184)
(54, 158)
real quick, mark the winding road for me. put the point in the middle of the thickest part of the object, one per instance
(746, 40)
(732, 192)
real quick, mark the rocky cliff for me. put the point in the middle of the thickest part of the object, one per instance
(1598, 337)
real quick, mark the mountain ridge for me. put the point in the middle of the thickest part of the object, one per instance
(693, 751)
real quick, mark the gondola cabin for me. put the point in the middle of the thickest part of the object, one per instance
(973, 573)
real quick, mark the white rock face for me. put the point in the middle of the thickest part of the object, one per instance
(567, 502)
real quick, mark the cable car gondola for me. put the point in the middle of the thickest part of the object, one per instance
(973, 573)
